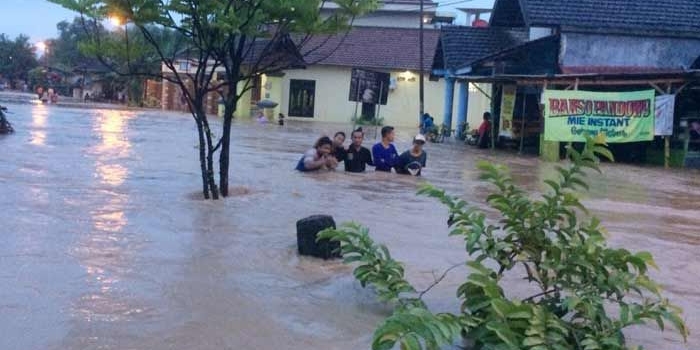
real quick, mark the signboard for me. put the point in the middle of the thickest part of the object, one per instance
(620, 116)
(507, 110)
(368, 86)
(665, 107)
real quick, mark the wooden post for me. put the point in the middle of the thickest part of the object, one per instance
(379, 101)
(667, 151)
(667, 140)
(357, 102)
(522, 124)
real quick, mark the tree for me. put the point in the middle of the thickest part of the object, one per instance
(17, 58)
(587, 293)
(242, 38)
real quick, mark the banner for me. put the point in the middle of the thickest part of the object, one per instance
(368, 86)
(620, 116)
(507, 110)
(665, 107)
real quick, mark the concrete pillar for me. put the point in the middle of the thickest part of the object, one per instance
(449, 101)
(549, 150)
(463, 107)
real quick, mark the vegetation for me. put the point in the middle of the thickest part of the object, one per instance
(587, 292)
(16, 59)
(224, 46)
(368, 121)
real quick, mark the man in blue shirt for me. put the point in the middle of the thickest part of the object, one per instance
(384, 153)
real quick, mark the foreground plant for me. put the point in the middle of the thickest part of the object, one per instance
(588, 293)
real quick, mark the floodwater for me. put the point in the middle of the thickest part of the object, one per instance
(104, 243)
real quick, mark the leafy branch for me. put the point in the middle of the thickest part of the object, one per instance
(552, 243)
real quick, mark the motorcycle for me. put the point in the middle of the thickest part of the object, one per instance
(5, 126)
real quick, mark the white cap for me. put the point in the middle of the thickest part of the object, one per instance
(419, 137)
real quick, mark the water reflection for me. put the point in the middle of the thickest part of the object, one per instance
(106, 250)
(38, 127)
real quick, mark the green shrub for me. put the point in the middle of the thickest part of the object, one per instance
(587, 292)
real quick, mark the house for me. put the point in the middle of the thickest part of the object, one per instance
(598, 45)
(385, 42)
(458, 47)
(398, 14)
(327, 78)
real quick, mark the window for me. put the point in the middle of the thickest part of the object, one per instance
(302, 94)
(184, 66)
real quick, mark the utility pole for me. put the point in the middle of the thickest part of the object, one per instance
(421, 92)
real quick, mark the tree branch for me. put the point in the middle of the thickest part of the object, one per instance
(438, 280)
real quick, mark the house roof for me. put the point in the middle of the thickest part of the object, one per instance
(659, 17)
(459, 46)
(372, 47)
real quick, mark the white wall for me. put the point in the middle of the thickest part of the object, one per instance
(333, 88)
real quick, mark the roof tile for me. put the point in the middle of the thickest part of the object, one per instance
(661, 17)
(372, 47)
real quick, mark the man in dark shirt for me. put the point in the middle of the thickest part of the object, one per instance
(357, 156)
(412, 161)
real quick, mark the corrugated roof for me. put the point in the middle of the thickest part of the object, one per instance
(373, 47)
(658, 17)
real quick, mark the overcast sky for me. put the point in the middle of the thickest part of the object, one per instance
(38, 18)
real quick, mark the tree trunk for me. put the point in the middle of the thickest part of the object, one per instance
(225, 150)
(209, 154)
(202, 159)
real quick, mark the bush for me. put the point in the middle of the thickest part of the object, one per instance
(588, 293)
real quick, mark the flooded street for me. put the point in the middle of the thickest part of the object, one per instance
(104, 243)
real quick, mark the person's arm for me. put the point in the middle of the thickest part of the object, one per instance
(401, 162)
(375, 155)
(396, 154)
(424, 159)
(369, 160)
(310, 162)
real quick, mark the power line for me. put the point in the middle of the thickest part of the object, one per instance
(437, 5)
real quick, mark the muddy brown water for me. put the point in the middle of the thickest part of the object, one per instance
(104, 244)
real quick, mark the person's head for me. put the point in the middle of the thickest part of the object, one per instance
(357, 137)
(324, 145)
(695, 125)
(388, 133)
(418, 142)
(487, 116)
(339, 139)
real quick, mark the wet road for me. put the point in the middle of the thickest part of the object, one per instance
(104, 244)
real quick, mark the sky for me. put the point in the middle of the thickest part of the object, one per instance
(38, 18)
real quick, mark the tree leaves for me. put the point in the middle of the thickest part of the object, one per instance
(566, 258)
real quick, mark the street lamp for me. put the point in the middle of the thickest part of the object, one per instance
(115, 21)
(43, 48)
(421, 93)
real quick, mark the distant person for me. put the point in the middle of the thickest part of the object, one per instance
(485, 131)
(694, 140)
(413, 161)
(280, 119)
(339, 146)
(319, 157)
(358, 157)
(261, 118)
(427, 124)
(384, 153)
